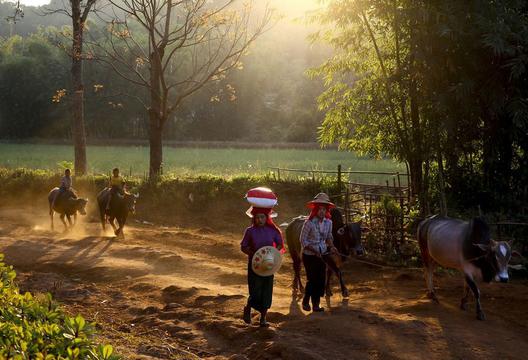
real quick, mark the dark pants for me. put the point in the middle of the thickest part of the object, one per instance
(260, 290)
(113, 190)
(316, 277)
(59, 193)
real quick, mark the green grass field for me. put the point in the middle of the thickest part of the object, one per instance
(193, 161)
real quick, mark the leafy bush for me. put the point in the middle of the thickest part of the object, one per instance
(35, 327)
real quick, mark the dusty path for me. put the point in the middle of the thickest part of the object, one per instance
(172, 293)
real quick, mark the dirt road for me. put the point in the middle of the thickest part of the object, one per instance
(166, 292)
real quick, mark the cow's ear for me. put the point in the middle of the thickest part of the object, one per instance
(341, 230)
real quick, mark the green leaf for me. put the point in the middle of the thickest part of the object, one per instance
(107, 351)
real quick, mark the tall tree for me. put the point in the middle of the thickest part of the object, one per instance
(174, 48)
(373, 100)
(405, 81)
(78, 11)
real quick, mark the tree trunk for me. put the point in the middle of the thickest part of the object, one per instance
(417, 150)
(156, 119)
(156, 145)
(415, 169)
(497, 157)
(78, 130)
(441, 183)
(427, 187)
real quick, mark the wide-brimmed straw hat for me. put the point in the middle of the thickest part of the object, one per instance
(266, 261)
(321, 199)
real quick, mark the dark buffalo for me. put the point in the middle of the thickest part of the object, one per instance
(347, 240)
(67, 205)
(118, 209)
(465, 246)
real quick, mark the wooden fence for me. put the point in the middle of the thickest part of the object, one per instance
(389, 228)
(368, 201)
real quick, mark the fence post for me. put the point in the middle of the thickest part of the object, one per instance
(347, 201)
(409, 187)
(339, 183)
(402, 230)
(364, 202)
(370, 210)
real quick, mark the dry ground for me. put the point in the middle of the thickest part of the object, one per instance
(167, 292)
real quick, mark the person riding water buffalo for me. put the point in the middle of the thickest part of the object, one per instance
(262, 233)
(65, 186)
(317, 241)
(117, 186)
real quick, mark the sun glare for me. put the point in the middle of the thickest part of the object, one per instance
(297, 6)
(34, 2)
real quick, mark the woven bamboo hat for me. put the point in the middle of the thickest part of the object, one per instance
(266, 261)
(321, 199)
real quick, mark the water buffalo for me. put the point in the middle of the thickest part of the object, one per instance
(67, 204)
(347, 240)
(118, 209)
(465, 246)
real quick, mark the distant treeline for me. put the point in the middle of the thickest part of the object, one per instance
(268, 100)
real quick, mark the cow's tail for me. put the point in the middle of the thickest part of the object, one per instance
(421, 235)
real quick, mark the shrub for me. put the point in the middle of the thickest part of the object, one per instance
(35, 327)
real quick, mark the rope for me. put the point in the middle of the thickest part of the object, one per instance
(385, 266)
(376, 265)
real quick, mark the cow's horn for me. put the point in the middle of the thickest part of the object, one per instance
(482, 247)
(516, 253)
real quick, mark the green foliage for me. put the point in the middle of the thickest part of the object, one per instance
(31, 69)
(432, 82)
(63, 165)
(268, 99)
(387, 207)
(35, 327)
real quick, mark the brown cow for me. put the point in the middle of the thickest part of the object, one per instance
(67, 204)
